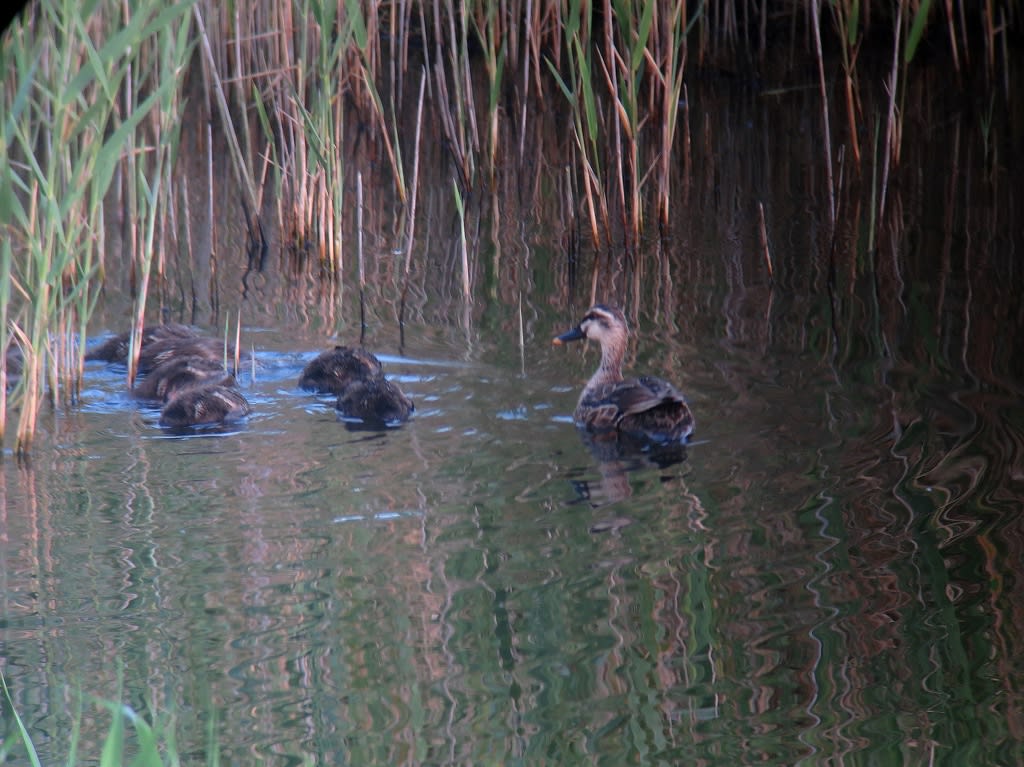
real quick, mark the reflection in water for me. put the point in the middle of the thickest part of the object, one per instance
(617, 455)
(833, 576)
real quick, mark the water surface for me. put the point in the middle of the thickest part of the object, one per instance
(829, 574)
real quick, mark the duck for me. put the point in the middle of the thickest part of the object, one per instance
(159, 344)
(115, 348)
(159, 351)
(645, 408)
(175, 374)
(181, 371)
(334, 370)
(375, 401)
(356, 377)
(204, 405)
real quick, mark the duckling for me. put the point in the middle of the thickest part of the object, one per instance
(173, 375)
(204, 405)
(648, 408)
(334, 370)
(115, 348)
(374, 400)
(161, 350)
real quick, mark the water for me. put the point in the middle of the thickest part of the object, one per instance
(830, 573)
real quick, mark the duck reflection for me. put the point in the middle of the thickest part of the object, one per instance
(618, 456)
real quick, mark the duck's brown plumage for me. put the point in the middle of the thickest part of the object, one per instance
(332, 371)
(646, 407)
(181, 370)
(203, 406)
(375, 400)
(115, 348)
(176, 374)
(356, 376)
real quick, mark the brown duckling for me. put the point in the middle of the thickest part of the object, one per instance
(647, 407)
(173, 375)
(334, 370)
(374, 400)
(162, 350)
(204, 405)
(115, 348)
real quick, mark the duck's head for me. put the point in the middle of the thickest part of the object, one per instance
(602, 323)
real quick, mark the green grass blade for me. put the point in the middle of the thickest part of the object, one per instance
(110, 153)
(25, 739)
(916, 30)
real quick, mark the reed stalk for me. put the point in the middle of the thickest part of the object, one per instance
(825, 129)
(410, 236)
(494, 40)
(460, 206)
(149, 181)
(65, 138)
(671, 65)
(890, 144)
(579, 92)
(359, 256)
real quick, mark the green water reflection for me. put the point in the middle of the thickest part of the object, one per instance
(832, 575)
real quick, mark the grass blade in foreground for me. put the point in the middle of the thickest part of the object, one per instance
(25, 739)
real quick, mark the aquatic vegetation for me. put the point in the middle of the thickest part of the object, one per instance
(308, 97)
(155, 742)
(77, 111)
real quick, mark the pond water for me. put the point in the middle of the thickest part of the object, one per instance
(830, 573)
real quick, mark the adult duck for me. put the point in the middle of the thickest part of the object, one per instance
(648, 408)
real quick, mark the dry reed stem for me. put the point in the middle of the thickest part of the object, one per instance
(359, 255)
(889, 146)
(763, 231)
(239, 165)
(826, 130)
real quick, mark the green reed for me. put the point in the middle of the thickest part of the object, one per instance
(155, 742)
(65, 137)
(149, 180)
(619, 63)
(23, 735)
(580, 92)
(295, 89)
(493, 36)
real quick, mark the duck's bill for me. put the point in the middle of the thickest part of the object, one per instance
(573, 335)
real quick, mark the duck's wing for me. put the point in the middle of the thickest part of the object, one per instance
(638, 395)
(655, 409)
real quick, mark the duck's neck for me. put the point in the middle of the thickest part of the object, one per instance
(610, 369)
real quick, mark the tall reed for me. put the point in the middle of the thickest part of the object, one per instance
(64, 137)
(297, 90)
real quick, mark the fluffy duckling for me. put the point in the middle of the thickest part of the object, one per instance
(115, 348)
(356, 376)
(334, 370)
(159, 351)
(648, 408)
(375, 400)
(204, 405)
(176, 374)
